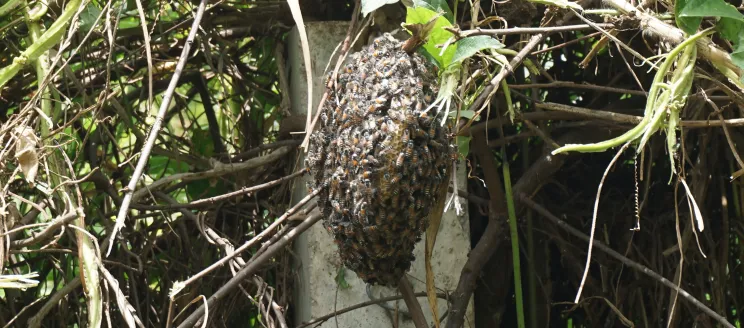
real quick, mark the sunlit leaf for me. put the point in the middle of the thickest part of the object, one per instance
(468, 47)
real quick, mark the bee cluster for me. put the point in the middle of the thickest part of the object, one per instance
(380, 159)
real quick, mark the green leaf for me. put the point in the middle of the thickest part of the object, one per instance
(88, 17)
(341, 278)
(687, 24)
(689, 13)
(369, 6)
(436, 6)
(200, 189)
(468, 114)
(468, 47)
(202, 142)
(730, 29)
(463, 145)
(737, 56)
(438, 34)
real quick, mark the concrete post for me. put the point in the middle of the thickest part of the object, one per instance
(316, 291)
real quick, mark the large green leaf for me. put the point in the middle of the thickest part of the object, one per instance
(468, 47)
(689, 13)
(436, 6)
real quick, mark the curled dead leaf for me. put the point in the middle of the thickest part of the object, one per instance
(26, 154)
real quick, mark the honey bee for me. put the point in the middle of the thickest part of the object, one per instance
(380, 219)
(336, 206)
(388, 73)
(380, 100)
(405, 137)
(427, 154)
(396, 178)
(419, 106)
(414, 159)
(386, 181)
(399, 161)
(371, 231)
(384, 127)
(367, 174)
(427, 99)
(409, 149)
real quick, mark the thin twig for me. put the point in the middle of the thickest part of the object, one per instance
(635, 265)
(219, 198)
(250, 269)
(145, 155)
(524, 30)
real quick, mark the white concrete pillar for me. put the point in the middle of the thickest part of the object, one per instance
(316, 289)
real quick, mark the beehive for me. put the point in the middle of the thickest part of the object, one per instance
(380, 158)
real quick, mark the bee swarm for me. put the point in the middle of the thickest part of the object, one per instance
(380, 159)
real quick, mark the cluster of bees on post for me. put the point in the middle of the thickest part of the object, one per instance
(380, 158)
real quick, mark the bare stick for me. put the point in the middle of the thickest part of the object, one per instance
(145, 155)
(414, 308)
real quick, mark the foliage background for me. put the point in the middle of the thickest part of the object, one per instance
(86, 98)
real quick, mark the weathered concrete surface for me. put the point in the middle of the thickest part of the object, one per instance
(316, 290)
